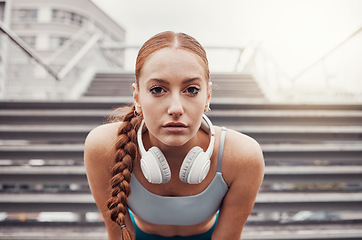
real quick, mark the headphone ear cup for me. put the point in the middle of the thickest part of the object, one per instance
(155, 167)
(195, 166)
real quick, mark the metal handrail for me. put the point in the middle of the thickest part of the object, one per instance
(34, 55)
(321, 59)
(66, 45)
(28, 50)
(78, 56)
(278, 85)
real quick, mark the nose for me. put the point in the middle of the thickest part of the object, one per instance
(175, 108)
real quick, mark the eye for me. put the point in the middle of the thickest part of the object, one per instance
(192, 90)
(156, 90)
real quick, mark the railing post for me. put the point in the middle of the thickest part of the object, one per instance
(78, 56)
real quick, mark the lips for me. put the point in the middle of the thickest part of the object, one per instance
(175, 124)
(175, 127)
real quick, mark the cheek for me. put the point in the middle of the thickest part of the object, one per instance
(199, 104)
(150, 109)
(147, 102)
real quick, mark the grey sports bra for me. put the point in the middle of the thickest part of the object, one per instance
(188, 210)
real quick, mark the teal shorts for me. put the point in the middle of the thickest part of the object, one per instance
(140, 235)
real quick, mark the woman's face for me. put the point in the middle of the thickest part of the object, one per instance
(173, 93)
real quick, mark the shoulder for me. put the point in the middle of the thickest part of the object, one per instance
(99, 153)
(100, 140)
(242, 154)
(243, 171)
(102, 134)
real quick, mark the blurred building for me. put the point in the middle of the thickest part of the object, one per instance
(59, 39)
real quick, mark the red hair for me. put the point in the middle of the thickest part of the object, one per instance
(126, 146)
(172, 40)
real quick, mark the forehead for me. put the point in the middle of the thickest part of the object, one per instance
(173, 62)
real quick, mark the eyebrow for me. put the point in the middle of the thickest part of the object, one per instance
(166, 82)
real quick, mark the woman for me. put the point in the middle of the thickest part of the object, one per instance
(183, 178)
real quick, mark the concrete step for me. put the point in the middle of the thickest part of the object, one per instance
(53, 133)
(263, 134)
(107, 103)
(89, 103)
(42, 151)
(73, 116)
(273, 174)
(312, 174)
(275, 154)
(287, 117)
(312, 154)
(218, 117)
(119, 84)
(301, 134)
(252, 231)
(75, 202)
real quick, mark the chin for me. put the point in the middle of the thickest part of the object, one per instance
(175, 141)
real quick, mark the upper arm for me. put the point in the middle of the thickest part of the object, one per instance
(243, 170)
(98, 160)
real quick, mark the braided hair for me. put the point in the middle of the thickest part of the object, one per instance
(126, 153)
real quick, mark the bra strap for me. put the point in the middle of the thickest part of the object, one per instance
(221, 148)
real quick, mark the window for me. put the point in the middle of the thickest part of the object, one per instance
(27, 14)
(58, 16)
(67, 17)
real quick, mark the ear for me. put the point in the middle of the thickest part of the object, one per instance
(209, 92)
(136, 97)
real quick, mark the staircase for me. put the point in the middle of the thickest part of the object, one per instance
(312, 154)
(226, 85)
(111, 85)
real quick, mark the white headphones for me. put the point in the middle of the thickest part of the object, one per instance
(194, 168)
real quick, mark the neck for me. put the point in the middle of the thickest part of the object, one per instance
(178, 153)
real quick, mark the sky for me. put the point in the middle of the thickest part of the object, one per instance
(295, 32)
